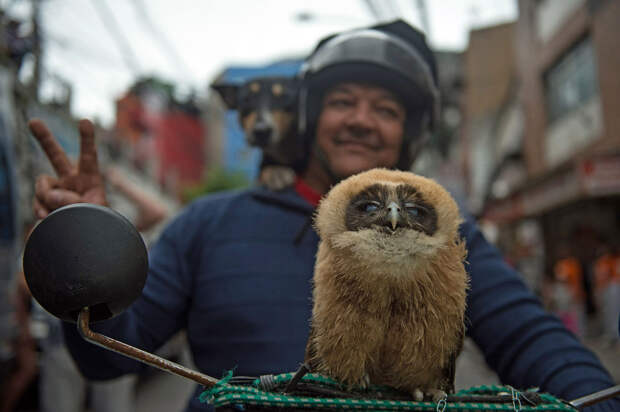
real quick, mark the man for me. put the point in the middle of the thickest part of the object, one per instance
(235, 269)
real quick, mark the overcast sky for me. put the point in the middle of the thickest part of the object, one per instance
(101, 46)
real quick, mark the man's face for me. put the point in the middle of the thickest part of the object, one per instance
(360, 127)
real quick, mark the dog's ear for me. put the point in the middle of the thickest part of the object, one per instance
(228, 92)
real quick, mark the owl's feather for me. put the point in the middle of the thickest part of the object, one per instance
(389, 304)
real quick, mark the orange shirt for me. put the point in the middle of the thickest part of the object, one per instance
(568, 270)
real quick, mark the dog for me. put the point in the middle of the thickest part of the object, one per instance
(268, 116)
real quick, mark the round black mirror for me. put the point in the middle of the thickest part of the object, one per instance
(85, 255)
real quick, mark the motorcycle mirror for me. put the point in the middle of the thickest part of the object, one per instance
(85, 255)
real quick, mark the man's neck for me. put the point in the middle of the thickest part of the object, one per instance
(316, 177)
(308, 193)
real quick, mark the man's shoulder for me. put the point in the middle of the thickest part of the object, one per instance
(260, 197)
(222, 199)
(214, 204)
(239, 203)
(235, 215)
(204, 214)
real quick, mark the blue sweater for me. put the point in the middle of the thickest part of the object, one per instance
(235, 271)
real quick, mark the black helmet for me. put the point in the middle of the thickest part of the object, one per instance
(392, 55)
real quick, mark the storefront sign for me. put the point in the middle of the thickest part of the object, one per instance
(599, 176)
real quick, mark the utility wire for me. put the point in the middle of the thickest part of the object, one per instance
(374, 10)
(394, 10)
(174, 56)
(109, 22)
(385, 9)
(74, 16)
(66, 44)
(423, 12)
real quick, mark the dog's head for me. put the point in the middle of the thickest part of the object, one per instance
(266, 107)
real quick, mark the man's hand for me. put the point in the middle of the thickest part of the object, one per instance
(83, 183)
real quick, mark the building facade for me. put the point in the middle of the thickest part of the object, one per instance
(167, 139)
(554, 140)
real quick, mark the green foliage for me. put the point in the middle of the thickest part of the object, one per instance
(154, 84)
(217, 180)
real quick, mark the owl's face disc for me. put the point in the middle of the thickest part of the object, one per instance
(391, 208)
(390, 222)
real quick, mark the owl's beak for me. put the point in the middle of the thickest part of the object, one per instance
(393, 214)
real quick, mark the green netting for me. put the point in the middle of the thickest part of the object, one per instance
(240, 397)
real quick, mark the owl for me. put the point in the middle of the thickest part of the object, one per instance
(389, 284)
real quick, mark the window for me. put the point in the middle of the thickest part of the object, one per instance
(572, 81)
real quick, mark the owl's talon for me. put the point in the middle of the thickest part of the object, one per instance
(417, 394)
(365, 381)
(436, 395)
(359, 384)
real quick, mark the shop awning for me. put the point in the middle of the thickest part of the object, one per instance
(586, 178)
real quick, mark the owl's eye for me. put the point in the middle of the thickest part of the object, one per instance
(414, 210)
(369, 207)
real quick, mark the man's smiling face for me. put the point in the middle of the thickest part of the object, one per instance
(360, 127)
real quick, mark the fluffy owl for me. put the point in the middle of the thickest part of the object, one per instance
(389, 284)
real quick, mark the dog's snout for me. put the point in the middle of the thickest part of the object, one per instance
(262, 132)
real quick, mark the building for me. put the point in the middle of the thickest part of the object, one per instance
(167, 138)
(553, 141)
(488, 95)
(440, 157)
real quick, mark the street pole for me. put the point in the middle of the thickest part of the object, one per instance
(36, 48)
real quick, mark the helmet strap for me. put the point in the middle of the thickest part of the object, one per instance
(416, 136)
(324, 163)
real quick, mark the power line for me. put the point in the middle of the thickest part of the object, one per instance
(384, 9)
(73, 18)
(374, 10)
(394, 10)
(65, 43)
(423, 13)
(175, 57)
(109, 22)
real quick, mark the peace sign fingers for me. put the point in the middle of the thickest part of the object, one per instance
(57, 157)
(83, 183)
(87, 163)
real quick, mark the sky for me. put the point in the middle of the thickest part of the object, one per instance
(101, 46)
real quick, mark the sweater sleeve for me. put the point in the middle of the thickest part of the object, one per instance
(153, 318)
(527, 346)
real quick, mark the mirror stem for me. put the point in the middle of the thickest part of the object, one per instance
(595, 397)
(138, 354)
